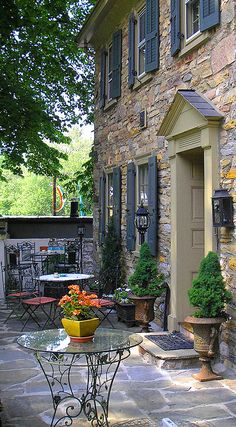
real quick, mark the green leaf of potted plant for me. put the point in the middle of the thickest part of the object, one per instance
(146, 285)
(209, 296)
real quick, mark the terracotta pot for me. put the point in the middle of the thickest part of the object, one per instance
(205, 331)
(80, 330)
(144, 310)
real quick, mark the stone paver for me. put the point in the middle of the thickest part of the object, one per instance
(142, 395)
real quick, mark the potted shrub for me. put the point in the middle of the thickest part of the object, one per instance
(79, 320)
(209, 296)
(146, 285)
(125, 309)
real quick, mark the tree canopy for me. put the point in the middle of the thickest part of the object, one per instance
(46, 81)
(32, 194)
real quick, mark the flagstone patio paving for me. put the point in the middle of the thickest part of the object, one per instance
(142, 395)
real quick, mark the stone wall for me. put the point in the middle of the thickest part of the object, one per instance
(210, 69)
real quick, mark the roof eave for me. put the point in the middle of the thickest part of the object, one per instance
(85, 36)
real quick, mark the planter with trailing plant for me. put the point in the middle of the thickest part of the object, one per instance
(125, 309)
(146, 285)
(209, 296)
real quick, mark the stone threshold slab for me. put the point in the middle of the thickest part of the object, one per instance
(170, 359)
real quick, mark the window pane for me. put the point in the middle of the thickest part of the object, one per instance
(143, 184)
(141, 26)
(109, 72)
(192, 17)
(141, 64)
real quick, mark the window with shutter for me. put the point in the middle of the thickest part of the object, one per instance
(116, 65)
(102, 212)
(143, 40)
(152, 205)
(102, 78)
(151, 36)
(131, 53)
(110, 71)
(130, 225)
(190, 20)
(117, 199)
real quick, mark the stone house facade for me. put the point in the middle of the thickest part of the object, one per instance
(165, 130)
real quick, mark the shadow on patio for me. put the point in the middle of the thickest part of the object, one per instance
(142, 394)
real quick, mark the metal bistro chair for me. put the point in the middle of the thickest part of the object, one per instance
(37, 306)
(18, 285)
(26, 251)
(106, 305)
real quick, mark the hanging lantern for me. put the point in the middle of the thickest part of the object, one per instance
(142, 221)
(222, 209)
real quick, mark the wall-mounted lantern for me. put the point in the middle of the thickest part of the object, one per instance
(142, 221)
(222, 209)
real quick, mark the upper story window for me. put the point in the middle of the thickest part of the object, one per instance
(143, 41)
(110, 70)
(189, 21)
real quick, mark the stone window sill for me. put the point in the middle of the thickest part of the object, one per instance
(200, 39)
(110, 104)
(145, 79)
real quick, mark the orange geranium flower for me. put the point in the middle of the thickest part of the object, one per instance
(78, 304)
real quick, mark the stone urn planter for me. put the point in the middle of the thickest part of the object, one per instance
(144, 310)
(206, 332)
(125, 313)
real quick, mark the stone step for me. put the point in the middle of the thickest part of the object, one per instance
(171, 359)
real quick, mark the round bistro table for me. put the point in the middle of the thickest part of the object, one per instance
(60, 360)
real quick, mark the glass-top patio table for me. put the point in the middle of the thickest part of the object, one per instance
(60, 360)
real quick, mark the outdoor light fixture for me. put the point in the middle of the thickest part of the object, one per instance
(81, 232)
(142, 221)
(222, 209)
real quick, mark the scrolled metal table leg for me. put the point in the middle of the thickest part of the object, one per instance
(94, 401)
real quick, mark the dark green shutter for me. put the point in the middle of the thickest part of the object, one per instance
(209, 14)
(152, 36)
(102, 215)
(152, 204)
(116, 65)
(102, 79)
(130, 225)
(117, 199)
(131, 53)
(175, 26)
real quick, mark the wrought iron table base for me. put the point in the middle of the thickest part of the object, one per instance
(94, 401)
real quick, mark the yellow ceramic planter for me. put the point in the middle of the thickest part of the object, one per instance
(80, 328)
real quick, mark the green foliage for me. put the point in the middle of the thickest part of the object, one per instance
(32, 195)
(46, 81)
(145, 280)
(111, 273)
(122, 295)
(208, 292)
